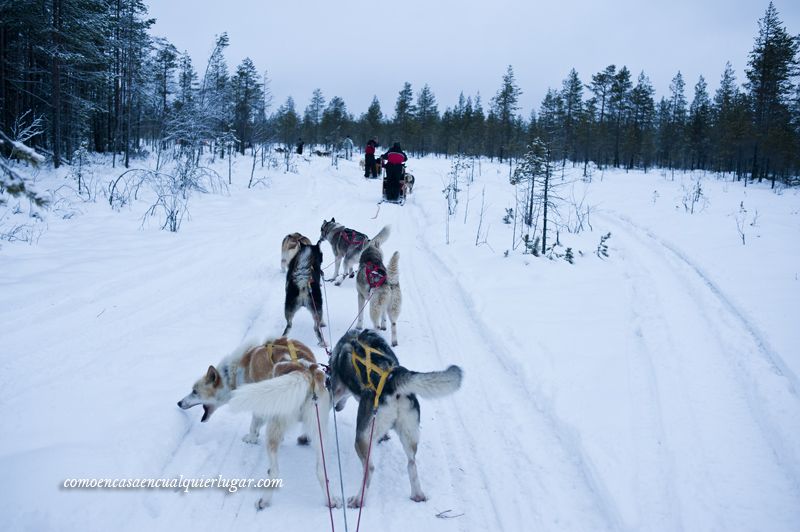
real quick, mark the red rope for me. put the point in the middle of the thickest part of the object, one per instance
(324, 466)
(366, 470)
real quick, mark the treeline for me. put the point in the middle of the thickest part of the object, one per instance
(87, 73)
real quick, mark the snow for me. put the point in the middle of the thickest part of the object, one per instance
(655, 389)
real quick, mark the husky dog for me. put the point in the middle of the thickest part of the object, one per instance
(347, 244)
(364, 365)
(361, 164)
(302, 288)
(408, 182)
(277, 381)
(384, 283)
(290, 247)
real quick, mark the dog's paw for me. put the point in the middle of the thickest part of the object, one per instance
(394, 344)
(384, 438)
(262, 503)
(419, 497)
(303, 440)
(335, 502)
(382, 327)
(338, 283)
(250, 438)
(352, 274)
(354, 501)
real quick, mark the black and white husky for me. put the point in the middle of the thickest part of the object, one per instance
(302, 288)
(384, 283)
(363, 364)
(347, 244)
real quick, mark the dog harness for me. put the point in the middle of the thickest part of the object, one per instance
(352, 237)
(289, 345)
(376, 275)
(369, 369)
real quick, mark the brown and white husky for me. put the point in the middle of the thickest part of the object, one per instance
(279, 381)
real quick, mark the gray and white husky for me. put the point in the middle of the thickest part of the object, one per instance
(347, 244)
(384, 283)
(362, 364)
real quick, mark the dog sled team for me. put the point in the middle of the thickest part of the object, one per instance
(281, 382)
(397, 182)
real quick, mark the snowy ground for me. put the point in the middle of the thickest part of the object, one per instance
(655, 389)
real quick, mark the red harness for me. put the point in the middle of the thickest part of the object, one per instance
(376, 275)
(354, 238)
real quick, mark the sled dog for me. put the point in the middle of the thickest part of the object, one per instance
(347, 244)
(385, 286)
(302, 288)
(361, 164)
(408, 182)
(277, 381)
(290, 247)
(364, 365)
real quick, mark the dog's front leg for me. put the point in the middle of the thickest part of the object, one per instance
(336, 264)
(277, 427)
(255, 426)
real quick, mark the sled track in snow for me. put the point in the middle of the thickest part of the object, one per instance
(563, 436)
(768, 422)
(773, 358)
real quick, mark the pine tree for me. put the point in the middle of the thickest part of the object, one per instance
(287, 123)
(505, 104)
(723, 114)
(248, 93)
(699, 123)
(427, 118)
(572, 96)
(404, 112)
(618, 108)
(639, 142)
(334, 122)
(772, 66)
(312, 117)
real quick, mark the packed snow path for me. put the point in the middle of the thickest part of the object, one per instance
(634, 393)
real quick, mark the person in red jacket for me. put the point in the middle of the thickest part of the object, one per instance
(369, 159)
(395, 159)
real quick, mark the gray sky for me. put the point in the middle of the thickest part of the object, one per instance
(357, 49)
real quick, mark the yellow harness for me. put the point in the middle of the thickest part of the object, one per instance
(289, 345)
(370, 368)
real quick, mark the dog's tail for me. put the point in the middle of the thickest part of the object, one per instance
(278, 397)
(393, 270)
(381, 237)
(429, 385)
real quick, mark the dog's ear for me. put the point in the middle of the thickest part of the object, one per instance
(212, 376)
(333, 220)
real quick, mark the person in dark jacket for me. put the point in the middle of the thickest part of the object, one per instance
(299, 147)
(395, 158)
(369, 159)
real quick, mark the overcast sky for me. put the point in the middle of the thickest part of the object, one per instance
(357, 49)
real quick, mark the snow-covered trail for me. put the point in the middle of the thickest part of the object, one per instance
(712, 399)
